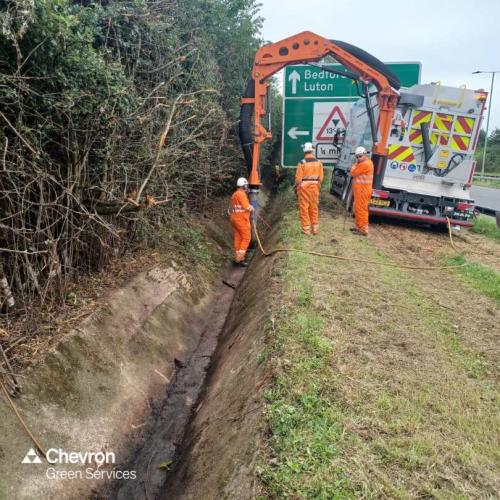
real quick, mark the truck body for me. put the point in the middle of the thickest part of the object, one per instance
(430, 156)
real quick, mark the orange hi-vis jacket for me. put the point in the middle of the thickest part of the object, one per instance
(309, 171)
(240, 204)
(362, 181)
(240, 220)
(308, 179)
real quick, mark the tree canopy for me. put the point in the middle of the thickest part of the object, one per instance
(492, 162)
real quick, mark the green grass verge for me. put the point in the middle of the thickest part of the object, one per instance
(482, 278)
(487, 183)
(302, 414)
(486, 226)
(367, 404)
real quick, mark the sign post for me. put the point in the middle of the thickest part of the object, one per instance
(317, 104)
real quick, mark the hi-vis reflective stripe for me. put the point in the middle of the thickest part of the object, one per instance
(443, 122)
(363, 179)
(421, 117)
(416, 136)
(464, 125)
(238, 209)
(459, 142)
(401, 153)
(443, 138)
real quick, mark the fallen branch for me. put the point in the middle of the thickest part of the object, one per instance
(230, 285)
(161, 143)
(24, 252)
(13, 344)
(21, 420)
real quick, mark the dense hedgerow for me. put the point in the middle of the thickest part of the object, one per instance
(107, 101)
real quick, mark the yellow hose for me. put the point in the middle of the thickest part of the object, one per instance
(451, 237)
(352, 259)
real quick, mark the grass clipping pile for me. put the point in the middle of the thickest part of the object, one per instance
(380, 386)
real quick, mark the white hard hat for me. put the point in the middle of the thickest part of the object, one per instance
(308, 147)
(241, 182)
(360, 150)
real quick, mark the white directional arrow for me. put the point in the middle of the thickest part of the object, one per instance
(294, 78)
(294, 133)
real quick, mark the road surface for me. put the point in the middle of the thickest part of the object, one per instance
(486, 197)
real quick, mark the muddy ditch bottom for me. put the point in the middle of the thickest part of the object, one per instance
(158, 450)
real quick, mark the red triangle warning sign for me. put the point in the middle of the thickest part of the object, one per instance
(334, 119)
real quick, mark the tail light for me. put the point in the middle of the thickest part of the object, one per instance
(378, 193)
(464, 206)
(481, 95)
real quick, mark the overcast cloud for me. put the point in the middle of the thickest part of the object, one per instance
(451, 38)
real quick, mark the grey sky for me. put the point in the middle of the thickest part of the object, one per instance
(451, 38)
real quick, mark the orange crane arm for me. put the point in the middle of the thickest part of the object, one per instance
(309, 47)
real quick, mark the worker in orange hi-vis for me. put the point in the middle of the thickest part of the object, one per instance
(240, 210)
(308, 179)
(362, 181)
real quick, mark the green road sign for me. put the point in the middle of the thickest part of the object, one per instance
(317, 104)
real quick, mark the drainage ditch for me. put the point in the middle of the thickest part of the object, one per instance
(205, 435)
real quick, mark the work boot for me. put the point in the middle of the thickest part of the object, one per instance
(241, 263)
(357, 232)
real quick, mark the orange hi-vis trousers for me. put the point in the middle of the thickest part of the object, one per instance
(240, 220)
(308, 195)
(362, 180)
(308, 179)
(362, 194)
(242, 234)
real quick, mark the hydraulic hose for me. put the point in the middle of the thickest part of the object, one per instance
(350, 259)
(245, 124)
